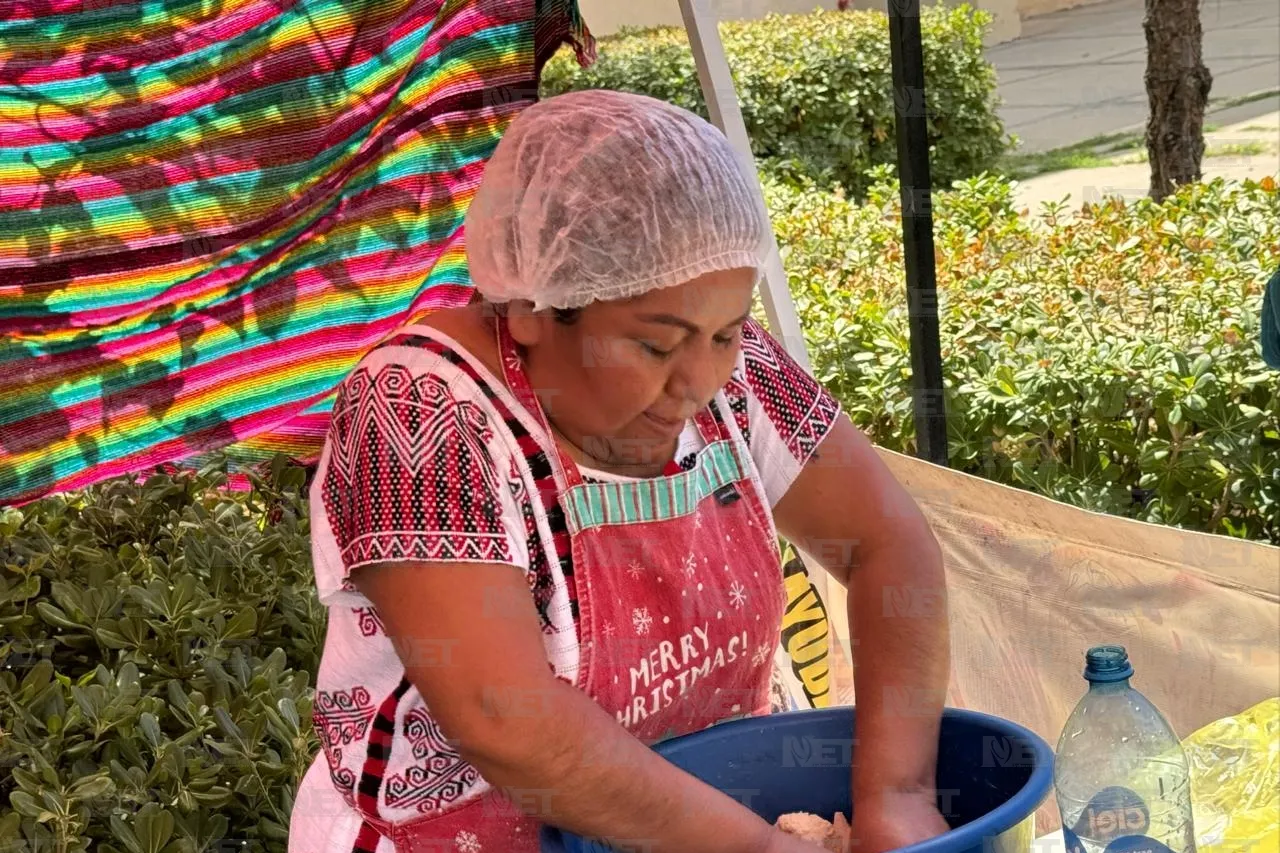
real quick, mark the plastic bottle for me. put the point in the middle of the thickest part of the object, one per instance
(1120, 774)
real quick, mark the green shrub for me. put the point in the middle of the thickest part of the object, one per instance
(1110, 360)
(816, 90)
(160, 644)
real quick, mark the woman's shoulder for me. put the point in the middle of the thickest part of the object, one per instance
(428, 379)
(448, 345)
(764, 364)
(783, 403)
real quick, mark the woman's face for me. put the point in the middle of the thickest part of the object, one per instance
(620, 381)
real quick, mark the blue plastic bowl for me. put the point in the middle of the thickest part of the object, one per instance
(992, 775)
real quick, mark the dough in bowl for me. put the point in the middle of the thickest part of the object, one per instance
(833, 835)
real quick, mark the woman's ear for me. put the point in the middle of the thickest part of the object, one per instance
(527, 326)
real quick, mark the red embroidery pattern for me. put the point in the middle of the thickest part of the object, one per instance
(800, 409)
(370, 622)
(442, 777)
(342, 717)
(432, 787)
(424, 734)
(410, 476)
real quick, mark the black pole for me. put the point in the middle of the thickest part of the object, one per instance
(907, 56)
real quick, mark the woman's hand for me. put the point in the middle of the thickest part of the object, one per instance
(893, 820)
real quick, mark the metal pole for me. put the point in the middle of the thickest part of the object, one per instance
(725, 113)
(907, 56)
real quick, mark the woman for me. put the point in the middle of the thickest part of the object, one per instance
(545, 524)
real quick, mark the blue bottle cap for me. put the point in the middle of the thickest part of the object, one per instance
(1105, 664)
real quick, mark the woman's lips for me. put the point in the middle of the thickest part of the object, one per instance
(666, 425)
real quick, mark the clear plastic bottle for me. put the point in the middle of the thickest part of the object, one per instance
(1120, 774)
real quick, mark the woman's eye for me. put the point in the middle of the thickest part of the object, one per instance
(725, 340)
(654, 351)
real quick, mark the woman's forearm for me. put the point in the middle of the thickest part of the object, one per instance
(585, 773)
(898, 615)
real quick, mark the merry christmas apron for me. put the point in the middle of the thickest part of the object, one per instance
(680, 598)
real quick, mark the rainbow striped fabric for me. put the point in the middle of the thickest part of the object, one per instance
(211, 209)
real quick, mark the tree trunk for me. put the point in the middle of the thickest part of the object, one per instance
(1177, 90)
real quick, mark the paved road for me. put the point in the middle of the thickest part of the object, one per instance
(1079, 73)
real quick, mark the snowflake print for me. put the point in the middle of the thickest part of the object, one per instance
(697, 521)
(761, 655)
(609, 630)
(737, 595)
(635, 570)
(641, 620)
(466, 842)
(690, 566)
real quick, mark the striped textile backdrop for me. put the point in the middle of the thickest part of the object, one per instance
(211, 209)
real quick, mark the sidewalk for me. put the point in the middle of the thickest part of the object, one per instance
(1245, 149)
(1079, 73)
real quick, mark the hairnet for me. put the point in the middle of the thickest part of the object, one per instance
(601, 195)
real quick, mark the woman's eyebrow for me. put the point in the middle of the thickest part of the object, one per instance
(680, 322)
(669, 320)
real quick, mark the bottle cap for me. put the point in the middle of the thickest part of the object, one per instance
(1104, 664)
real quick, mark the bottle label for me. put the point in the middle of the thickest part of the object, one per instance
(1113, 813)
(1136, 844)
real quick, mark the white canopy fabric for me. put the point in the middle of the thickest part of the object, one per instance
(1033, 583)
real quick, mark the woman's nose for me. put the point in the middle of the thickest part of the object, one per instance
(695, 380)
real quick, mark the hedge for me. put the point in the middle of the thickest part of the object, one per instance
(161, 640)
(816, 90)
(1110, 360)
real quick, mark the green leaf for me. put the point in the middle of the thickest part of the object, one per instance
(55, 616)
(124, 834)
(26, 779)
(25, 804)
(154, 827)
(150, 727)
(25, 590)
(67, 597)
(229, 727)
(92, 787)
(290, 713)
(243, 625)
(1175, 414)
(11, 827)
(54, 802)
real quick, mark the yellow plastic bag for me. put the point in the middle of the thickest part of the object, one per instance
(1235, 781)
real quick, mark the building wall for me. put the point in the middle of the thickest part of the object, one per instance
(607, 16)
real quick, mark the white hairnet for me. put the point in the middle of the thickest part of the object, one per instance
(601, 195)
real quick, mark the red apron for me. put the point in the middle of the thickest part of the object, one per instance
(680, 596)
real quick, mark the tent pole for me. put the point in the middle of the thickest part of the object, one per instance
(725, 113)
(907, 55)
